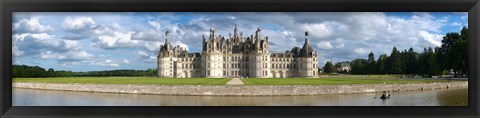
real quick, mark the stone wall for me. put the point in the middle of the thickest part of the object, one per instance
(240, 90)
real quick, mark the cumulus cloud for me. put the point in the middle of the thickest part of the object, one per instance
(107, 62)
(456, 24)
(324, 45)
(32, 43)
(45, 46)
(31, 25)
(117, 40)
(67, 56)
(149, 58)
(126, 61)
(78, 24)
(360, 51)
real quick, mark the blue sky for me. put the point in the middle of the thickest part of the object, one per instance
(90, 41)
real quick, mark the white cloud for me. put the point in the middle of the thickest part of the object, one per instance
(360, 51)
(146, 57)
(324, 45)
(321, 30)
(67, 56)
(78, 24)
(149, 35)
(152, 46)
(456, 24)
(117, 40)
(434, 39)
(142, 54)
(16, 51)
(125, 61)
(107, 62)
(37, 42)
(31, 25)
(155, 25)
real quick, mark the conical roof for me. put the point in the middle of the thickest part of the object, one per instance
(306, 49)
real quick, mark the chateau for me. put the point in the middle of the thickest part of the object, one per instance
(236, 56)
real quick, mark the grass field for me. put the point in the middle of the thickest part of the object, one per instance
(129, 80)
(323, 80)
(334, 81)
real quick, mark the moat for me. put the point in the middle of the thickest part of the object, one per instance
(437, 97)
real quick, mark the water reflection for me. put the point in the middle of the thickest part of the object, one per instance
(442, 97)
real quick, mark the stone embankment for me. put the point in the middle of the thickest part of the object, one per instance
(240, 90)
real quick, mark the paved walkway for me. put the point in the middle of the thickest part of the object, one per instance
(235, 81)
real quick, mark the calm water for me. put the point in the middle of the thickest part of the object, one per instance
(440, 97)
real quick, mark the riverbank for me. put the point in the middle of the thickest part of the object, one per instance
(248, 90)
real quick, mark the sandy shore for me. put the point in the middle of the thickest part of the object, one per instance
(240, 90)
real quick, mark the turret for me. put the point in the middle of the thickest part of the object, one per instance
(306, 49)
(204, 47)
(167, 40)
(235, 31)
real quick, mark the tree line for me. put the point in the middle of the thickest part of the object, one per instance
(451, 55)
(24, 71)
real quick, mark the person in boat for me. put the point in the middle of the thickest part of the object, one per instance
(385, 95)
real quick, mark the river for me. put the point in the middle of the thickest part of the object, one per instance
(439, 97)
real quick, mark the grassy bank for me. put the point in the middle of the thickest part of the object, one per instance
(129, 80)
(326, 80)
(333, 81)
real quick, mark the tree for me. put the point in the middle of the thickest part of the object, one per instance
(453, 52)
(371, 63)
(381, 64)
(463, 51)
(359, 66)
(411, 62)
(395, 63)
(51, 72)
(432, 63)
(328, 68)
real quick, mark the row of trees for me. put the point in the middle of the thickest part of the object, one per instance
(149, 72)
(452, 55)
(24, 71)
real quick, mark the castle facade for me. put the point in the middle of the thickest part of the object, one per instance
(236, 56)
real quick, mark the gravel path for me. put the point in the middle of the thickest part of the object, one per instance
(235, 81)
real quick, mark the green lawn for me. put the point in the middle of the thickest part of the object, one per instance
(129, 80)
(325, 80)
(333, 81)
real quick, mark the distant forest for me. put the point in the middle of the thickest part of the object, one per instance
(451, 55)
(24, 71)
